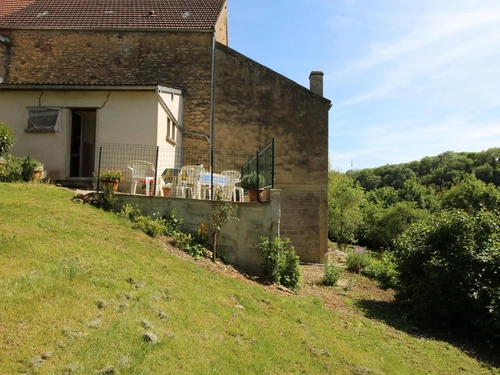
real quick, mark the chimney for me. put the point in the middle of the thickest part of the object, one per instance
(316, 82)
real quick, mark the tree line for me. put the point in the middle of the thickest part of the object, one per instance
(437, 222)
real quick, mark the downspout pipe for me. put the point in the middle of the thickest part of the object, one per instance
(212, 103)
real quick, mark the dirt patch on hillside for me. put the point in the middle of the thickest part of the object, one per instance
(350, 288)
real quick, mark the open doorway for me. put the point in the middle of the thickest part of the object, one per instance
(83, 135)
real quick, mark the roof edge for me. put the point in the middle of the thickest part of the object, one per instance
(85, 87)
(211, 29)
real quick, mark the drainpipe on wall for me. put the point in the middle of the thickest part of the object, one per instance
(212, 100)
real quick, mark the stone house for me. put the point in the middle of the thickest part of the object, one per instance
(158, 72)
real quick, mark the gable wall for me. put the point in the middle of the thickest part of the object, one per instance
(180, 59)
(253, 104)
(221, 32)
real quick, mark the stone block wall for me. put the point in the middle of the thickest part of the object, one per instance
(238, 238)
(254, 104)
(179, 59)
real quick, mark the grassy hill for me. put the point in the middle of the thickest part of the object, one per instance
(82, 293)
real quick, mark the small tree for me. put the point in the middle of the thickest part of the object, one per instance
(6, 139)
(345, 198)
(221, 215)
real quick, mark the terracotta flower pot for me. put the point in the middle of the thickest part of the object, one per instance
(114, 184)
(166, 191)
(150, 191)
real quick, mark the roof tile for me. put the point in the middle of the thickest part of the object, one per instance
(110, 14)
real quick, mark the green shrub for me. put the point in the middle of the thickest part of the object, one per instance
(172, 223)
(153, 226)
(332, 274)
(130, 212)
(383, 270)
(280, 264)
(107, 199)
(7, 139)
(449, 271)
(188, 244)
(28, 168)
(12, 170)
(357, 259)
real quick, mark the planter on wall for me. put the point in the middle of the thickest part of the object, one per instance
(150, 191)
(256, 195)
(113, 183)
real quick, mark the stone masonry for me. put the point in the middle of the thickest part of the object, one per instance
(255, 104)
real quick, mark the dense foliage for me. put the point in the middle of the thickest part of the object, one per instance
(439, 171)
(279, 262)
(345, 199)
(435, 225)
(6, 139)
(449, 270)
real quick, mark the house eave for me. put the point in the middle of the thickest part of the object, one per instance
(79, 87)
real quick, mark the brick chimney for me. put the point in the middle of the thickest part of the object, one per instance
(316, 82)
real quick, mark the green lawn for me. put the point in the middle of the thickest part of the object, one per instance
(79, 289)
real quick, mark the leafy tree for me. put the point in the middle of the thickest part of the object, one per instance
(413, 191)
(345, 198)
(472, 195)
(386, 224)
(448, 271)
(383, 197)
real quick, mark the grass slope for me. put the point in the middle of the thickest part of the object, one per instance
(79, 288)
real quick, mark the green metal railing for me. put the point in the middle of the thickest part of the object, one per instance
(262, 164)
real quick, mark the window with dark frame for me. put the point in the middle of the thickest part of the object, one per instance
(44, 119)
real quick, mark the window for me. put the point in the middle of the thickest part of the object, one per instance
(170, 130)
(44, 119)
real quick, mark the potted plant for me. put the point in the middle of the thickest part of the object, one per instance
(253, 185)
(151, 186)
(166, 189)
(111, 177)
(38, 173)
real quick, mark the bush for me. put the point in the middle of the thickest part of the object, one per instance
(7, 139)
(172, 223)
(332, 274)
(12, 170)
(188, 244)
(357, 259)
(383, 270)
(279, 262)
(449, 271)
(107, 199)
(153, 226)
(28, 168)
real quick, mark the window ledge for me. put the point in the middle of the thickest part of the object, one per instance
(39, 130)
(171, 141)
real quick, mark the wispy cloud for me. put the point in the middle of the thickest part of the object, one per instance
(425, 84)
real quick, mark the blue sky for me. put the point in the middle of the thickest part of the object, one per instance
(407, 78)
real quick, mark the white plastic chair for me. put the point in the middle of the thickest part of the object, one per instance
(232, 178)
(140, 171)
(191, 180)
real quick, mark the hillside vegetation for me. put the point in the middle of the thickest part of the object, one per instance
(83, 293)
(437, 223)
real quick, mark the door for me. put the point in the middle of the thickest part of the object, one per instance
(83, 131)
